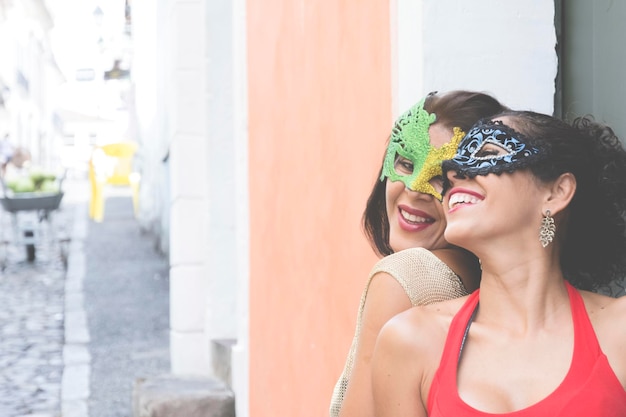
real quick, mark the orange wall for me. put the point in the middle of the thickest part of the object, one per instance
(319, 114)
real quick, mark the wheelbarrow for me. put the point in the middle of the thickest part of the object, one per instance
(29, 212)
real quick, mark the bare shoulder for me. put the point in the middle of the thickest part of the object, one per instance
(604, 312)
(600, 305)
(421, 329)
(407, 355)
(607, 315)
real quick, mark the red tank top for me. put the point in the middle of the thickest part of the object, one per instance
(590, 388)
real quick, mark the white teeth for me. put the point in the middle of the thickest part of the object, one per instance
(413, 218)
(461, 198)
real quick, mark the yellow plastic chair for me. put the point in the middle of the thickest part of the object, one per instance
(112, 164)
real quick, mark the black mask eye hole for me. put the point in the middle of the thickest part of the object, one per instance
(491, 150)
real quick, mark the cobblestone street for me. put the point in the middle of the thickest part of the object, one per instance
(31, 323)
(58, 359)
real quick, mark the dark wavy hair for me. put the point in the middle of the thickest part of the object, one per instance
(454, 109)
(592, 238)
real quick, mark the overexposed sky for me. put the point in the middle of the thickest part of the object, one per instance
(83, 41)
(77, 31)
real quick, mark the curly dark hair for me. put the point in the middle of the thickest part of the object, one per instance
(593, 240)
(454, 109)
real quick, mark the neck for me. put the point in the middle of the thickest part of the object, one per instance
(522, 291)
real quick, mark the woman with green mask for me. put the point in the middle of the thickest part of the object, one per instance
(404, 223)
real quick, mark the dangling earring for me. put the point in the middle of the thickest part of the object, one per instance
(546, 232)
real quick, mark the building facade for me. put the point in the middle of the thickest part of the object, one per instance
(29, 77)
(263, 124)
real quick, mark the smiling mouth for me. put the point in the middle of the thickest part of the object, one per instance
(413, 219)
(458, 199)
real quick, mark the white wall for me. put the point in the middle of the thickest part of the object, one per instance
(189, 281)
(222, 222)
(148, 123)
(240, 354)
(183, 72)
(505, 48)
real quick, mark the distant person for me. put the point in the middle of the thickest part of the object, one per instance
(542, 204)
(404, 222)
(6, 153)
(19, 163)
(21, 158)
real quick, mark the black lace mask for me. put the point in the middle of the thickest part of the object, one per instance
(491, 147)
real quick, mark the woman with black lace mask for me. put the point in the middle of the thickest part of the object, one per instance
(541, 203)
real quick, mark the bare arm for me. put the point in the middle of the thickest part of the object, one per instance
(607, 316)
(397, 373)
(420, 272)
(385, 298)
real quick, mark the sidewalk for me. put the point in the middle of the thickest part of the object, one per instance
(116, 308)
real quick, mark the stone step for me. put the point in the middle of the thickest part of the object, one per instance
(172, 396)
(221, 350)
